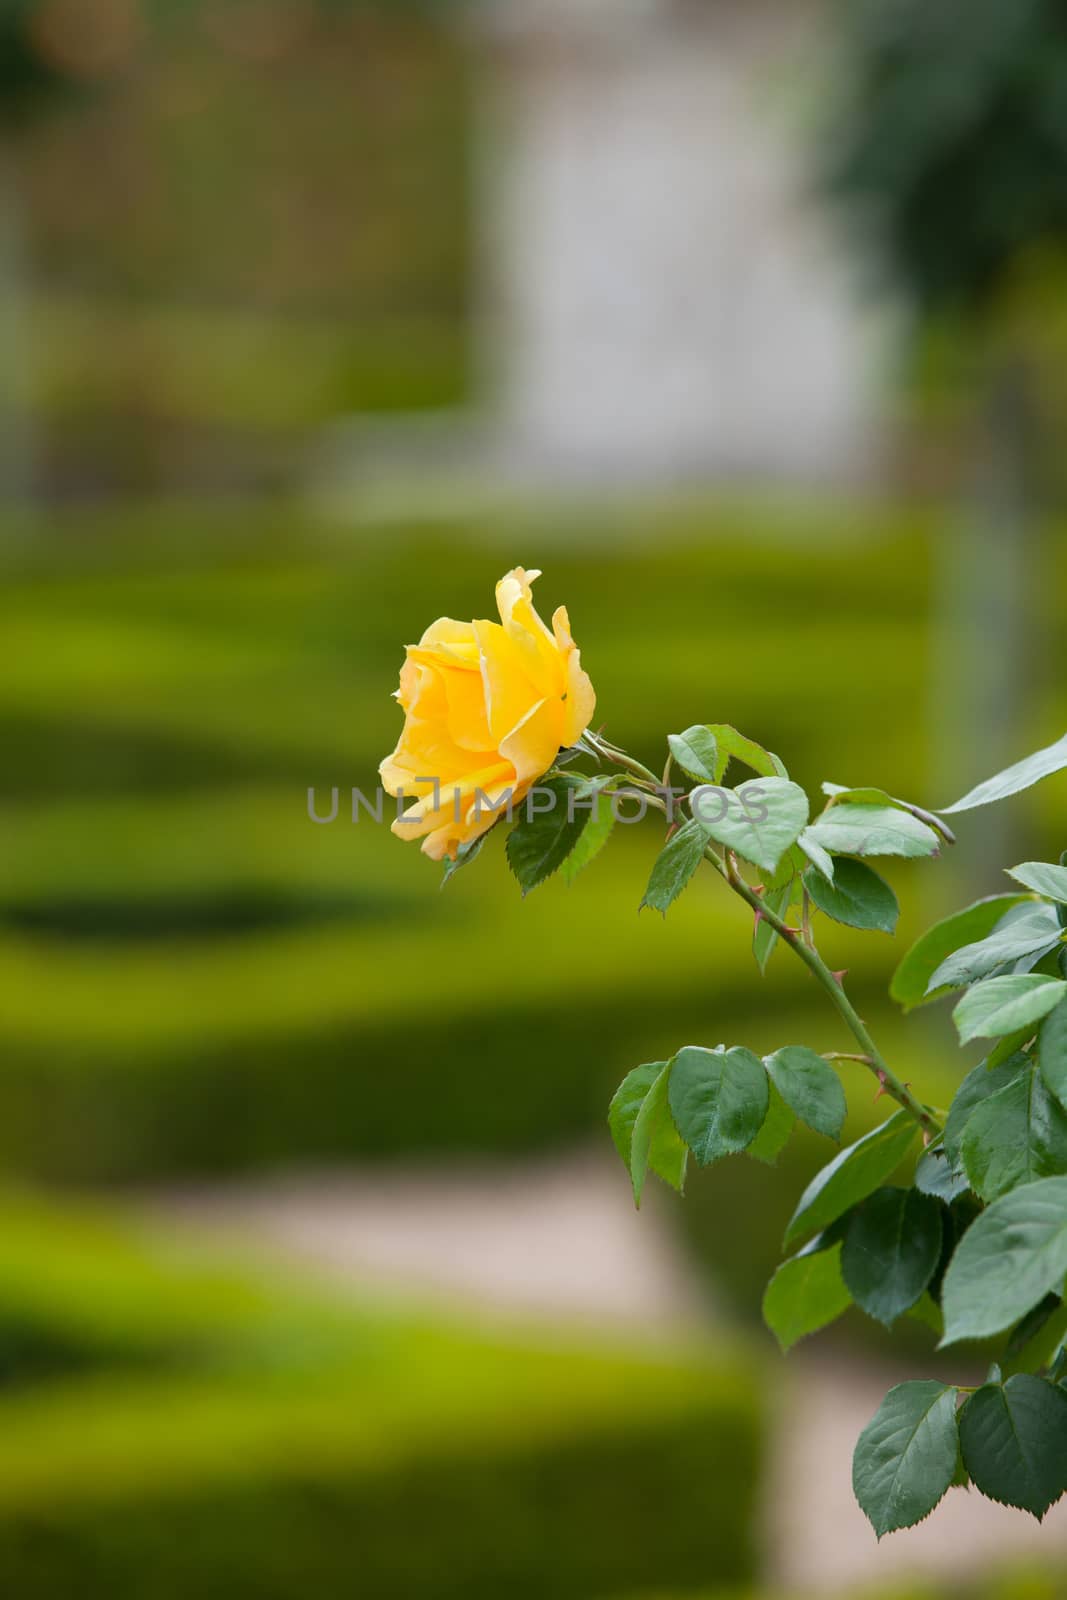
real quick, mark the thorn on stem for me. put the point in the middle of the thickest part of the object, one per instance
(839, 977)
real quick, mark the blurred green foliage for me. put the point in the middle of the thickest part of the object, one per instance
(29, 79)
(228, 370)
(129, 398)
(198, 979)
(952, 139)
(285, 236)
(291, 159)
(1015, 1583)
(232, 974)
(241, 1434)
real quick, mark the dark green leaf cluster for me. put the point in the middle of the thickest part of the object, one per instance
(997, 1179)
(971, 1238)
(1006, 1439)
(950, 146)
(26, 76)
(765, 823)
(718, 1102)
(956, 1218)
(34, 72)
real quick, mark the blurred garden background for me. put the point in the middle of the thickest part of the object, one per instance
(317, 1270)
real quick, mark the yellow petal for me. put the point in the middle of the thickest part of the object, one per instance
(408, 683)
(561, 630)
(445, 841)
(453, 803)
(580, 703)
(398, 776)
(427, 748)
(454, 638)
(536, 645)
(488, 706)
(468, 720)
(534, 743)
(509, 690)
(478, 817)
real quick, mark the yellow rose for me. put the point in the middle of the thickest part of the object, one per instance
(487, 707)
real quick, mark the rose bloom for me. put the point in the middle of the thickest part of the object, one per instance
(487, 706)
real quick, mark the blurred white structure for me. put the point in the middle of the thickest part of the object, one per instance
(662, 299)
(664, 296)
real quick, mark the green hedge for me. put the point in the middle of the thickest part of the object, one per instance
(739, 1261)
(240, 988)
(219, 1054)
(568, 1517)
(244, 1436)
(211, 648)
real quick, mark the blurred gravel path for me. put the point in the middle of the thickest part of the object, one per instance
(556, 1239)
(560, 1240)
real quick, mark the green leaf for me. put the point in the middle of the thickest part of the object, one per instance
(857, 897)
(674, 866)
(912, 977)
(1010, 1258)
(627, 1101)
(464, 855)
(1014, 779)
(731, 745)
(1009, 1046)
(936, 1176)
(879, 797)
(1015, 1136)
(810, 1086)
(719, 1099)
(906, 1456)
(1034, 1340)
(696, 753)
(862, 830)
(787, 871)
(806, 1293)
(1000, 1005)
(1043, 878)
(1014, 1442)
(597, 830)
(773, 1136)
(865, 795)
(656, 1142)
(978, 1085)
(641, 1126)
(760, 820)
(538, 845)
(1052, 1051)
(1034, 932)
(764, 936)
(891, 1249)
(820, 859)
(851, 1176)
